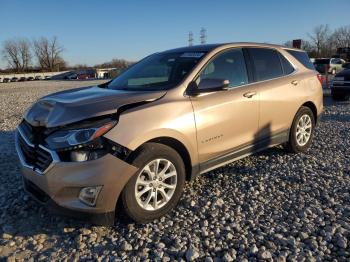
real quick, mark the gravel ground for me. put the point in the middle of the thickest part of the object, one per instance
(271, 206)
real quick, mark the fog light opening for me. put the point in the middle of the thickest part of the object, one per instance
(88, 195)
(86, 155)
(79, 156)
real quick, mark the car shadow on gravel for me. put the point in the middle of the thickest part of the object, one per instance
(262, 138)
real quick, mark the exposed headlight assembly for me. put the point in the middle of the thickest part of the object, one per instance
(72, 137)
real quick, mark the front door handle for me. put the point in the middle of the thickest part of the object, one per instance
(294, 82)
(249, 94)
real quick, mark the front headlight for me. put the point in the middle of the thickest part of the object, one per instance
(68, 138)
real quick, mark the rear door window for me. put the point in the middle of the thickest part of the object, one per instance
(266, 63)
(303, 58)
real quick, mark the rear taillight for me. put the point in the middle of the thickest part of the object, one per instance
(320, 78)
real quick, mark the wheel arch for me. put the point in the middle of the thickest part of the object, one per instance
(180, 148)
(313, 108)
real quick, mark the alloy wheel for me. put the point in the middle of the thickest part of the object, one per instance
(303, 130)
(156, 184)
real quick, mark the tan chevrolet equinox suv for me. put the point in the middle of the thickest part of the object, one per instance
(134, 141)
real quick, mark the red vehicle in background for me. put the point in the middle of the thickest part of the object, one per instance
(83, 76)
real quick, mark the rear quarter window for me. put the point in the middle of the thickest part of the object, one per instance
(286, 65)
(302, 57)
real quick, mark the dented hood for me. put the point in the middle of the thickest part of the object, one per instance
(74, 105)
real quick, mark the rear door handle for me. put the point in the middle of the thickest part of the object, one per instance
(294, 82)
(249, 94)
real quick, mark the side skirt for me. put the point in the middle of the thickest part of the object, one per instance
(243, 151)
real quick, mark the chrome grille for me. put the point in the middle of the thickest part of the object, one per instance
(33, 156)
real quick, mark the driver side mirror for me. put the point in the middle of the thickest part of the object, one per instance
(208, 85)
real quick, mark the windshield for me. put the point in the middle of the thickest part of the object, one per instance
(157, 72)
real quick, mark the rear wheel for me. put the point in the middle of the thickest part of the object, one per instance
(302, 131)
(158, 185)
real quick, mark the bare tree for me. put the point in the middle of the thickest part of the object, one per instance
(11, 54)
(320, 38)
(48, 53)
(120, 64)
(341, 37)
(25, 53)
(17, 54)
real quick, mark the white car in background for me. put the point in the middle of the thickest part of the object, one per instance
(332, 65)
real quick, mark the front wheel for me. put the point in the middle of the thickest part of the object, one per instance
(157, 187)
(302, 130)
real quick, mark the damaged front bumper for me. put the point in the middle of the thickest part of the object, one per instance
(58, 184)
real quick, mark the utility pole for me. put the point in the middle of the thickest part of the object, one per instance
(190, 38)
(203, 36)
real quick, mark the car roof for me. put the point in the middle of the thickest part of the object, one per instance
(210, 47)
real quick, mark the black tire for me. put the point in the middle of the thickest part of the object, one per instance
(144, 155)
(292, 144)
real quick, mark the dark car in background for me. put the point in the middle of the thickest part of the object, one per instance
(346, 65)
(6, 80)
(340, 87)
(38, 78)
(30, 78)
(22, 79)
(14, 79)
(321, 65)
(71, 76)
